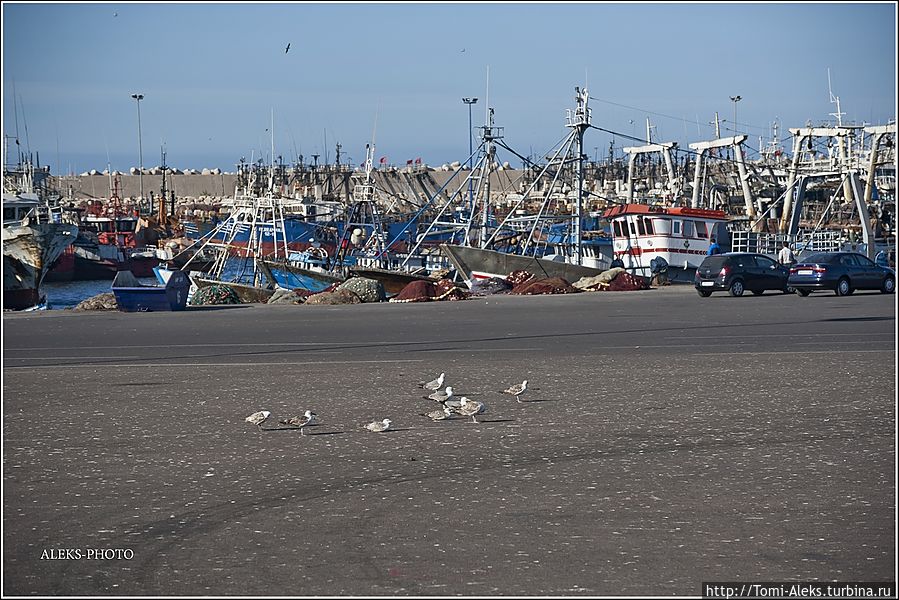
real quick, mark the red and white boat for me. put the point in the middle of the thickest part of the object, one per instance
(680, 235)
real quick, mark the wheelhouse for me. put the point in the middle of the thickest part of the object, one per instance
(680, 235)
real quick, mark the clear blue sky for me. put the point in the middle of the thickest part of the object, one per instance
(211, 75)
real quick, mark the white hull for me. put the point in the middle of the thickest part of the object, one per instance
(28, 253)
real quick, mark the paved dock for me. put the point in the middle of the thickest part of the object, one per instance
(666, 440)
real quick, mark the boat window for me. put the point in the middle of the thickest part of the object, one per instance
(663, 226)
(126, 225)
(688, 229)
(640, 228)
(616, 225)
(9, 214)
(676, 229)
(648, 225)
(701, 229)
(630, 224)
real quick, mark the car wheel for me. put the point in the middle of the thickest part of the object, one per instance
(803, 293)
(843, 288)
(789, 290)
(736, 288)
(704, 293)
(888, 286)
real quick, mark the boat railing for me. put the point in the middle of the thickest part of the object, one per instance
(805, 241)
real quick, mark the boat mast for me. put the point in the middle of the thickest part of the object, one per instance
(580, 122)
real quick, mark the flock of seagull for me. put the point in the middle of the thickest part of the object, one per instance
(451, 405)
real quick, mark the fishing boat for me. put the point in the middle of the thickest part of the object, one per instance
(34, 234)
(679, 235)
(251, 247)
(30, 248)
(548, 243)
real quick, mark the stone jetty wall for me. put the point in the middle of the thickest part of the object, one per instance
(414, 183)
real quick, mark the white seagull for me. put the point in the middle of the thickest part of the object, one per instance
(441, 396)
(470, 408)
(379, 426)
(433, 385)
(308, 418)
(452, 404)
(439, 415)
(258, 418)
(517, 390)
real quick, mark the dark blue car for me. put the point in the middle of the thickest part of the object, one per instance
(842, 272)
(736, 272)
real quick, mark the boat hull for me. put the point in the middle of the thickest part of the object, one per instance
(29, 252)
(477, 263)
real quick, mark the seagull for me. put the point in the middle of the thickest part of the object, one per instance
(441, 396)
(379, 426)
(439, 415)
(433, 385)
(286, 50)
(258, 418)
(308, 418)
(453, 405)
(517, 390)
(470, 408)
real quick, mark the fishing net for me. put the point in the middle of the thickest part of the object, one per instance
(519, 277)
(368, 290)
(416, 291)
(550, 285)
(488, 287)
(214, 294)
(425, 291)
(338, 296)
(447, 290)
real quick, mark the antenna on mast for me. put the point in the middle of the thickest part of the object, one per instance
(271, 174)
(487, 98)
(834, 100)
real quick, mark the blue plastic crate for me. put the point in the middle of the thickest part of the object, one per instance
(133, 296)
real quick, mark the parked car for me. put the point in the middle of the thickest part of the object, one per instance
(886, 258)
(842, 272)
(736, 272)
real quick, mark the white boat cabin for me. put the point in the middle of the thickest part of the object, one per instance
(680, 235)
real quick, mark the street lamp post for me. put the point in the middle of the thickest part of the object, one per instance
(469, 102)
(140, 147)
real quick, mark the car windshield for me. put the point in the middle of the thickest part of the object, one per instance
(714, 262)
(820, 257)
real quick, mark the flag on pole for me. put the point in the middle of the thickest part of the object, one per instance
(409, 162)
(383, 160)
(418, 161)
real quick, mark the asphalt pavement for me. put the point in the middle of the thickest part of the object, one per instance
(665, 440)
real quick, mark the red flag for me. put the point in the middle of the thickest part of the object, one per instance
(383, 160)
(418, 161)
(409, 162)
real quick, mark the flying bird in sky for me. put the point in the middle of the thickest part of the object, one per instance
(286, 50)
